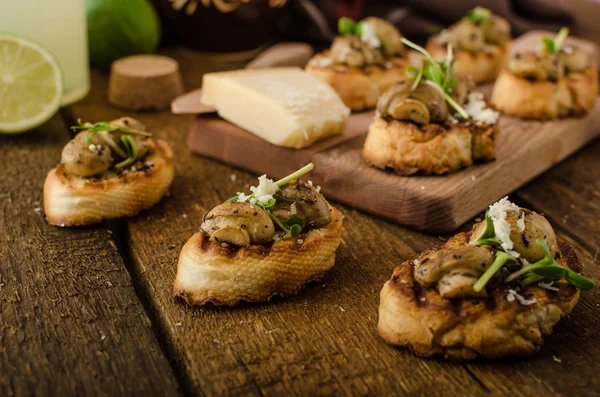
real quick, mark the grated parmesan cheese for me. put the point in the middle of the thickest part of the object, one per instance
(502, 228)
(514, 294)
(265, 190)
(293, 209)
(368, 35)
(477, 109)
(548, 286)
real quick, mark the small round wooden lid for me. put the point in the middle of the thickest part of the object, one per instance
(144, 82)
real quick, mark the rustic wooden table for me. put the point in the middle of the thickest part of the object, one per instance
(89, 311)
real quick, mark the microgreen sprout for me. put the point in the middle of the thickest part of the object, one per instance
(132, 151)
(488, 237)
(500, 260)
(103, 129)
(479, 15)
(553, 46)
(438, 73)
(348, 26)
(547, 269)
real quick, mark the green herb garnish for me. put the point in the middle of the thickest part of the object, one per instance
(553, 46)
(438, 73)
(479, 15)
(348, 26)
(132, 152)
(501, 258)
(294, 225)
(103, 129)
(488, 237)
(547, 269)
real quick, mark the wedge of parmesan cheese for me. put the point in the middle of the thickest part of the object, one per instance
(284, 106)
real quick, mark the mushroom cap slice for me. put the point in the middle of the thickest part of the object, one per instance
(347, 50)
(81, 158)
(527, 65)
(304, 201)
(141, 141)
(474, 259)
(459, 283)
(573, 58)
(430, 95)
(390, 36)
(465, 35)
(400, 89)
(461, 90)
(409, 109)
(496, 30)
(238, 223)
(535, 226)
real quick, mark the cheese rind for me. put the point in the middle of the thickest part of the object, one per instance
(284, 106)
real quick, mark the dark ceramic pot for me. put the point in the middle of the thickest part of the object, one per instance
(218, 26)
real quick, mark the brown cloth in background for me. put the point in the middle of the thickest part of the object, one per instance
(316, 21)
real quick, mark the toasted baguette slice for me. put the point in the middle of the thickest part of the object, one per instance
(225, 275)
(572, 95)
(70, 200)
(481, 66)
(359, 88)
(420, 319)
(433, 149)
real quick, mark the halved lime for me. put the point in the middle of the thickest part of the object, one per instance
(31, 84)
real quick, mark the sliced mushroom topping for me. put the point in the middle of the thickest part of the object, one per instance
(84, 159)
(496, 30)
(304, 201)
(459, 284)
(400, 102)
(573, 58)
(526, 227)
(409, 109)
(531, 65)
(390, 37)
(455, 269)
(461, 90)
(350, 50)
(141, 141)
(465, 35)
(238, 223)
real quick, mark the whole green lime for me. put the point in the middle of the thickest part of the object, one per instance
(118, 28)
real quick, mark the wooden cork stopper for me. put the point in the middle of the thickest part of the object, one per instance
(144, 82)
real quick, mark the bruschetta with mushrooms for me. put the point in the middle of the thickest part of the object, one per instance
(433, 124)
(494, 291)
(551, 81)
(363, 61)
(109, 170)
(253, 247)
(480, 41)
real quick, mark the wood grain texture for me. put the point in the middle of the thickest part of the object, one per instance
(323, 341)
(70, 322)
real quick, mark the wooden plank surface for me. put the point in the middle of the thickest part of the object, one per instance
(70, 322)
(524, 150)
(323, 341)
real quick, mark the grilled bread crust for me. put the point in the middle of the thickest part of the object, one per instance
(359, 88)
(481, 66)
(572, 95)
(70, 200)
(418, 318)
(225, 275)
(433, 149)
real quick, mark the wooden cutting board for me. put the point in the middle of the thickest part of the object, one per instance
(525, 149)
